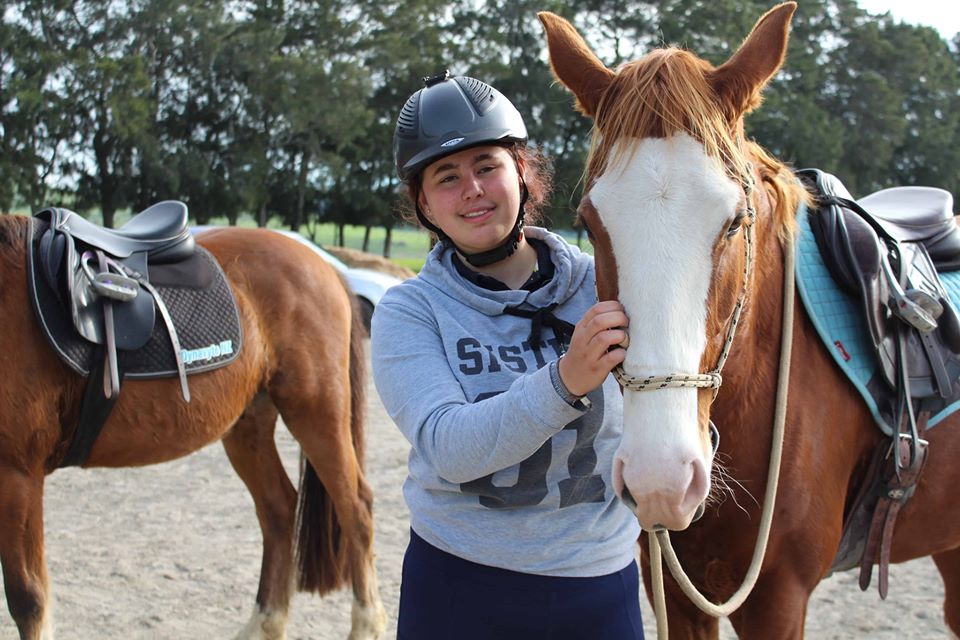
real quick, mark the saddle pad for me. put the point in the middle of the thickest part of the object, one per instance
(196, 293)
(839, 321)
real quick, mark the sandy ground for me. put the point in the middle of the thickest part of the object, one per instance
(173, 552)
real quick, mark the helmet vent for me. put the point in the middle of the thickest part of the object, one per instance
(407, 121)
(480, 93)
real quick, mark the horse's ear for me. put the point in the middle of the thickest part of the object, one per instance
(739, 81)
(574, 64)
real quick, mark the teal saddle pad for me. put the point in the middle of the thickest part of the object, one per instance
(838, 319)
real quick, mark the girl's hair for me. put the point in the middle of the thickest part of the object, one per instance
(538, 177)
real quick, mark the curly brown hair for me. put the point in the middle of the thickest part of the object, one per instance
(538, 177)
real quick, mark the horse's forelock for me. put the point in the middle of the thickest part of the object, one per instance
(668, 92)
(663, 94)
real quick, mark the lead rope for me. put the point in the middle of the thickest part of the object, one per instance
(662, 537)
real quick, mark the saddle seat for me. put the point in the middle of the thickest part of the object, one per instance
(919, 214)
(160, 231)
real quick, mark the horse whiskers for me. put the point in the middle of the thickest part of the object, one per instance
(722, 480)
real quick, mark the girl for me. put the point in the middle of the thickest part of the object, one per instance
(509, 408)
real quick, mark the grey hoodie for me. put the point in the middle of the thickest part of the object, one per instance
(502, 471)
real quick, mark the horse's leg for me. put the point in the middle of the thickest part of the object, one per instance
(948, 563)
(253, 454)
(776, 608)
(320, 422)
(21, 553)
(684, 620)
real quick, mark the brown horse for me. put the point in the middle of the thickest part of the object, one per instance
(670, 185)
(302, 358)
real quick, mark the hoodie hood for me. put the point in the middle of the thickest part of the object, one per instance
(571, 265)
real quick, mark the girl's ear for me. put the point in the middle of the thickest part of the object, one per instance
(424, 207)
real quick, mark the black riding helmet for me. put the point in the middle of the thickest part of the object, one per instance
(449, 115)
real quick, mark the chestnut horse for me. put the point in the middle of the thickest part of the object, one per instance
(670, 191)
(301, 357)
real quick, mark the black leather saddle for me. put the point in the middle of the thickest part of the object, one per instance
(886, 250)
(97, 293)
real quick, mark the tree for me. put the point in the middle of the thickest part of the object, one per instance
(32, 116)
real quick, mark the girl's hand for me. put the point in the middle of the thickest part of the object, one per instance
(589, 358)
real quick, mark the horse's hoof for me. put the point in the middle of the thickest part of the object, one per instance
(368, 622)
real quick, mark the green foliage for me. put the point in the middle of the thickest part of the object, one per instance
(284, 111)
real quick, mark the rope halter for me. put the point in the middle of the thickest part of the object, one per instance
(712, 379)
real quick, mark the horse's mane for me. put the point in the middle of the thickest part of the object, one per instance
(667, 93)
(13, 232)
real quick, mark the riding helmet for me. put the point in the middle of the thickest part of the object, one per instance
(449, 114)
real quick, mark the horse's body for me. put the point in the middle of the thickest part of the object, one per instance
(301, 358)
(670, 179)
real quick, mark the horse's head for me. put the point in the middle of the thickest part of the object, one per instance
(668, 203)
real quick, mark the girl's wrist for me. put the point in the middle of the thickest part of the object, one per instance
(574, 400)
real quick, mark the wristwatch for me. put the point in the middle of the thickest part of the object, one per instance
(577, 402)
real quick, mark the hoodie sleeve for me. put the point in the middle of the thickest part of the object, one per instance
(462, 441)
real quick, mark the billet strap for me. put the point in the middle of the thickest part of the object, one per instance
(900, 470)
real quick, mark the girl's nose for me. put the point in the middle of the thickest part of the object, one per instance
(472, 187)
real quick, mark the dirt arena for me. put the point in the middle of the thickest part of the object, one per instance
(172, 552)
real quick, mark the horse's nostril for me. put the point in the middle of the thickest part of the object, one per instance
(701, 509)
(628, 498)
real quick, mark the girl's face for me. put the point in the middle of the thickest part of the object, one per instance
(473, 196)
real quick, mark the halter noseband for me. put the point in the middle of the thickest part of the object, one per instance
(712, 379)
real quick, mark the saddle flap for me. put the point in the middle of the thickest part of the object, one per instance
(133, 320)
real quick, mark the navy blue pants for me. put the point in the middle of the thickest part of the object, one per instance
(443, 597)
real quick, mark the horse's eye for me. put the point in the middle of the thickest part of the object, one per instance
(586, 227)
(735, 225)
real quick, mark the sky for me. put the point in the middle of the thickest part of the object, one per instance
(943, 15)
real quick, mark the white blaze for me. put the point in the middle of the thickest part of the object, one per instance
(664, 208)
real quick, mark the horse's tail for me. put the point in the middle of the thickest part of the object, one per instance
(322, 556)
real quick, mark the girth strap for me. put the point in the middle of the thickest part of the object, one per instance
(95, 408)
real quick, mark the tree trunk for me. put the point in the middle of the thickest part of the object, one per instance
(262, 214)
(579, 237)
(101, 150)
(388, 239)
(301, 190)
(341, 232)
(366, 238)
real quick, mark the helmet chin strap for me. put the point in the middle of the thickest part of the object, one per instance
(502, 251)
